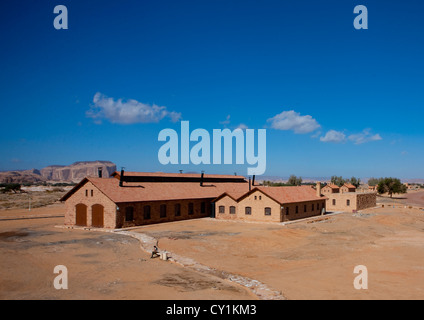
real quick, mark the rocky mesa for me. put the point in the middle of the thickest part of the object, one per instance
(56, 173)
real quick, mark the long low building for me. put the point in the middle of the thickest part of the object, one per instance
(136, 198)
(272, 204)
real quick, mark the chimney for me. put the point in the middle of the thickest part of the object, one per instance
(318, 189)
(121, 179)
(253, 181)
(99, 172)
(250, 184)
(201, 179)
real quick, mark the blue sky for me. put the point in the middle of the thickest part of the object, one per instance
(334, 100)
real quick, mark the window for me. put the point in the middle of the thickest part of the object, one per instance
(129, 214)
(267, 211)
(86, 193)
(191, 208)
(334, 202)
(146, 213)
(297, 209)
(256, 198)
(318, 206)
(177, 210)
(163, 210)
(248, 210)
(92, 192)
(287, 211)
(260, 197)
(203, 207)
(221, 209)
(232, 210)
(348, 202)
(313, 207)
(305, 208)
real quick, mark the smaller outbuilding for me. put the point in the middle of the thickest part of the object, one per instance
(271, 204)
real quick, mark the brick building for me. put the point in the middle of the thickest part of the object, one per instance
(347, 199)
(135, 198)
(272, 204)
(330, 189)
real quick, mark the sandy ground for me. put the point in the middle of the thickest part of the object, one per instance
(100, 265)
(312, 260)
(305, 260)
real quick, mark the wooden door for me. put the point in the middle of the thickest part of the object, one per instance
(97, 216)
(81, 215)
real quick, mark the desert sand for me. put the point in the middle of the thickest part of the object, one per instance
(100, 265)
(304, 260)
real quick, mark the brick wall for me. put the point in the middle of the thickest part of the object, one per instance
(366, 200)
(155, 211)
(357, 201)
(89, 195)
(259, 201)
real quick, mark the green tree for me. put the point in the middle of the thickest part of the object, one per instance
(391, 186)
(7, 187)
(338, 181)
(294, 181)
(373, 182)
(355, 181)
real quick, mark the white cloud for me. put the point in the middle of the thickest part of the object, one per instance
(242, 126)
(364, 136)
(226, 121)
(291, 120)
(127, 112)
(334, 136)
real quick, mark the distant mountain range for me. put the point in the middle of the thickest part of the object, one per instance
(59, 173)
(324, 179)
(77, 171)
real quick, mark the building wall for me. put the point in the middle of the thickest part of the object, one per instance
(366, 200)
(318, 206)
(89, 195)
(115, 214)
(258, 208)
(155, 211)
(345, 189)
(259, 201)
(358, 201)
(327, 190)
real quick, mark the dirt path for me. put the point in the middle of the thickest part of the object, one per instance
(415, 198)
(259, 289)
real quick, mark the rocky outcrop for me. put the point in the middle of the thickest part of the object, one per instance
(73, 173)
(78, 171)
(24, 176)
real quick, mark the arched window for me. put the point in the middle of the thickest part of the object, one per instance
(146, 213)
(221, 209)
(129, 214)
(163, 210)
(248, 211)
(177, 210)
(191, 208)
(267, 211)
(232, 210)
